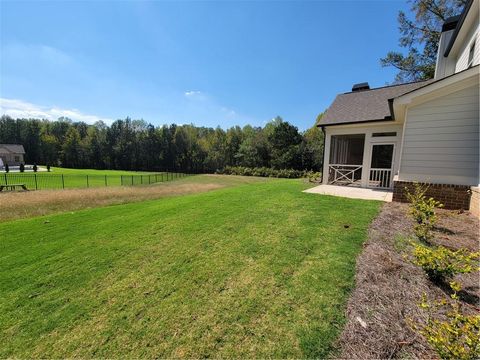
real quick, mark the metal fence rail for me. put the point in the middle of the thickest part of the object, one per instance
(39, 181)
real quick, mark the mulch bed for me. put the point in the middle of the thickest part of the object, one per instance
(389, 288)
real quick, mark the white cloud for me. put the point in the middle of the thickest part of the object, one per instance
(22, 109)
(192, 93)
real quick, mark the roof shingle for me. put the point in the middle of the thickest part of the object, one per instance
(366, 105)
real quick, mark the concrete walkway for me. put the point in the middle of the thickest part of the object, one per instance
(352, 192)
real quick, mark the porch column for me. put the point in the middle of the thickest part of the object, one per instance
(326, 157)
(366, 160)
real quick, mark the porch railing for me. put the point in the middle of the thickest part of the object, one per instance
(344, 174)
(380, 178)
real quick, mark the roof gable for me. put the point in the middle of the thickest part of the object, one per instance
(12, 149)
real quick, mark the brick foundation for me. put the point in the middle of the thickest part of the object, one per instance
(475, 202)
(453, 197)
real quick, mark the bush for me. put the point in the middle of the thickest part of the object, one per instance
(441, 263)
(422, 211)
(262, 172)
(455, 337)
(313, 176)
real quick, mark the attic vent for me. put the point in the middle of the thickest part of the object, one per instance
(361, 86)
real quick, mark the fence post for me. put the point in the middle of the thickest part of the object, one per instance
(6, 181)
(105, 180)
(132, 179)
(36, 185)
(87, 181)
(63, 182)
(141, 179)
(149, 179)
(121, 180)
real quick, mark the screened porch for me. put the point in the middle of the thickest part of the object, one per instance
(347, 163)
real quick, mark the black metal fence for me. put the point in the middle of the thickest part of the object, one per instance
(42, 181)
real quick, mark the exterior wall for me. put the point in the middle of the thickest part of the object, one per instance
(451, 196)
(10, 159)
(462, 58)
(444, 66)
(441, 140)
(368, 129)
(475, 201)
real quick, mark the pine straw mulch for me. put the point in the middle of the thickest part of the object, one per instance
(389, 288)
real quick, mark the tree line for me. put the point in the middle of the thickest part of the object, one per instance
(136, 145)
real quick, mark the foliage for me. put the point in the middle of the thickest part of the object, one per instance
(455, 337)
(422, 210)
(420, 37)
(313, 176)
(441, 263)
(135, 145)
(263, 172)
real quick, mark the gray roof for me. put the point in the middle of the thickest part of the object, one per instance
(11, 149)
(366, 105)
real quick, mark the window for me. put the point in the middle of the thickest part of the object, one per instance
(471, 54)
(393, 133)
(17, 158)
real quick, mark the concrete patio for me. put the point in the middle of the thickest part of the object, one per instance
(352, 192)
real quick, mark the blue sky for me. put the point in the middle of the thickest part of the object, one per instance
(204, 62)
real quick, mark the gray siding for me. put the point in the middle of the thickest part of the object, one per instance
(462, 60)
(441, 140)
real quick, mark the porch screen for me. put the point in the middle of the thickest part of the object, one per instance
(347, 149)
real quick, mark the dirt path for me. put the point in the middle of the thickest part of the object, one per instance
(389, 288)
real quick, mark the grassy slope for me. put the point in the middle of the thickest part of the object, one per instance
(15, 205)
(74, 178)
(258, 270)
(68, 171)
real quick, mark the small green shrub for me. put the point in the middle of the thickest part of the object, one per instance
(441, 263)
(455, 337)
(313, 176)
(422, 210)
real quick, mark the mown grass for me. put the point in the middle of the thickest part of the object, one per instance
(64, 178)
(258, 270)
(16, 205)
(93, 172)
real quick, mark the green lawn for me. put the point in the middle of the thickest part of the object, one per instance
(59, 178)
(258, 270)
(68, 171)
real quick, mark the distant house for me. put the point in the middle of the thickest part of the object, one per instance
(12, 154)
(427, 132)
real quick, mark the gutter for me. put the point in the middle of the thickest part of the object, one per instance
(386, 118)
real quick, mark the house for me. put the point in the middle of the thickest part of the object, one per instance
(11, 154)
(428, 132)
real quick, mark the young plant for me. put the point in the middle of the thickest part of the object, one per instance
(422, 210)
(441, 263)
(457, 336)
(313, 176)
